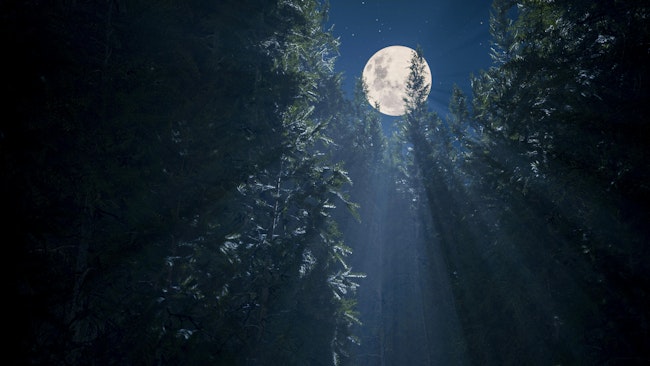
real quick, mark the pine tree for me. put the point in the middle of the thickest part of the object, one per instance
(178, 182)
(554, 149)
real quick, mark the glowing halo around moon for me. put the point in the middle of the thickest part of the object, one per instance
(386, 74)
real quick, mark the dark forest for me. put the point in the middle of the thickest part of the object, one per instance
(186, 183)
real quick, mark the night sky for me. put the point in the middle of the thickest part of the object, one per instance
(454, 35)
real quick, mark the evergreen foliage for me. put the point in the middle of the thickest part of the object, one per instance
(185, 183)
(171, 184)
(537, 194)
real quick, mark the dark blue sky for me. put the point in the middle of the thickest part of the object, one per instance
(454, 35)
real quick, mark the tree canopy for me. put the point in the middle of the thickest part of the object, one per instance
(186, 183)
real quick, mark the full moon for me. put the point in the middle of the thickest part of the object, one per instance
(386, 74)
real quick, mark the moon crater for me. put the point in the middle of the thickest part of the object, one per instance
(386, 74)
